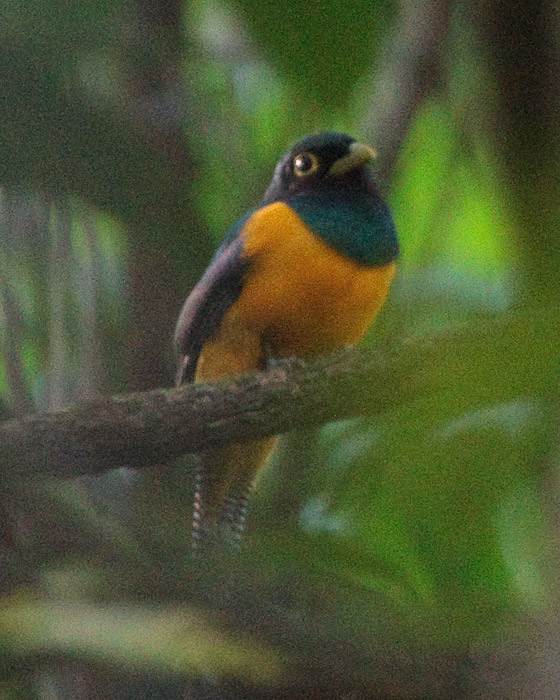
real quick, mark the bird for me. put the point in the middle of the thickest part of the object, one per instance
(302, 274)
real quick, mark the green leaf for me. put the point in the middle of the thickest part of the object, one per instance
(133, 636)
(323, 48)
(428, 488)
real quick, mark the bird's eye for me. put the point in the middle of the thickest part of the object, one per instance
(305, 164)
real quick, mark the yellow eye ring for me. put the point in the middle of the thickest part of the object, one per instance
(305, 164)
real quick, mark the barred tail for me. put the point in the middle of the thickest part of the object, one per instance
(222, 523)
(224, 479)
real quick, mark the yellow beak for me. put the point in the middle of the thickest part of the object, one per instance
(359, 154)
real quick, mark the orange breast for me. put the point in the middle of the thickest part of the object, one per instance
(300, 297)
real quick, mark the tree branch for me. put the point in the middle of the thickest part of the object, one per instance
(143, 429)
(410, 70)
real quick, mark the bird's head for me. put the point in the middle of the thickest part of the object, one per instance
(328, 159)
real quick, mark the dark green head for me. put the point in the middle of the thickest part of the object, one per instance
(324, 177)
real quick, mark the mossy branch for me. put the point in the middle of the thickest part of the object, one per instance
(142, 429)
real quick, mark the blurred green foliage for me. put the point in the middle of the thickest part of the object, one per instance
(119, 178)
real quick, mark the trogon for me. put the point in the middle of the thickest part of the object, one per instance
(302, 274)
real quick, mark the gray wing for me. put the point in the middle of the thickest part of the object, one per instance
(202, 312)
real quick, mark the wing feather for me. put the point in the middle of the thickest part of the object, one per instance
(205, 307)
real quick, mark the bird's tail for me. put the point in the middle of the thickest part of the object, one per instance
(224, 479)
(224, 527)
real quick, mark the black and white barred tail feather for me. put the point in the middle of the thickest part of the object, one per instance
(227, 525)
